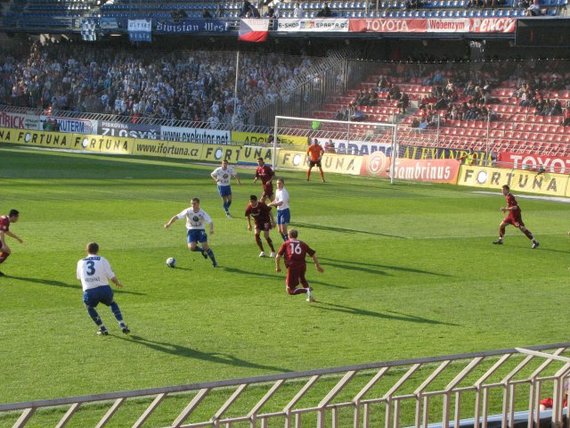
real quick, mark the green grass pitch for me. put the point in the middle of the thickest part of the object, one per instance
(410, 271)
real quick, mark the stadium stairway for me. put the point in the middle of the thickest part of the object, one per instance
(516, 129)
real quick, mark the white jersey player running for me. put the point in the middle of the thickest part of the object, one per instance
(196, 220)
(222, 177)
(95, 272)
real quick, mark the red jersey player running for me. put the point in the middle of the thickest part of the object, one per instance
(315, 153)
(513, 217)
(294, 252)
(266, 174)
(263, 220)
(5, 222)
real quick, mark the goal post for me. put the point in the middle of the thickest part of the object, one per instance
(346, 137)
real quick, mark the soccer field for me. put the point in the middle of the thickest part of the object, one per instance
(410, 271)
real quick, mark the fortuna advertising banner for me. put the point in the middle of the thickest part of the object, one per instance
(518, 180)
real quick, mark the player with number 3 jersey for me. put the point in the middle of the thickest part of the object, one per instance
(94, 272)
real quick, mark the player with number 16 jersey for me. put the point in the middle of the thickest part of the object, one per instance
(294, 252)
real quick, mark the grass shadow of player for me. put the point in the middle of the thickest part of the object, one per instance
(344, 230)
(186, 351)
(390, 315)
(276, 276)
(247, 272)
(54, 283)
(50, 282)
(335, 263)
(360, 266)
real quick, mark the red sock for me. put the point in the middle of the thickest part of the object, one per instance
(3, 257)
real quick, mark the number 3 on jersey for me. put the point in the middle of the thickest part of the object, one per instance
(90, 267)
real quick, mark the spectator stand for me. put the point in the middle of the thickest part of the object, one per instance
(36, 14)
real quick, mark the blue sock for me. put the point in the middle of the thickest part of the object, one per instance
(225, 205)
(201, 250)
(94, 315)
(212, 257)
(116, 311)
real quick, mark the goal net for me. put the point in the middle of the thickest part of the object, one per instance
(374, 143)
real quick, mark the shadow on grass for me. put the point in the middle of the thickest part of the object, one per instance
(181, 268)
(344, 230)
(247, 272)
(390, 315)
(185, 351)
(54, 283)
(363, 267)
(276, 276)
(551, 250)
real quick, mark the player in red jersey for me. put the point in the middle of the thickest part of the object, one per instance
(294, 252)
(5, 222)
(266, 174)
(263, 219)
(513, 217)
(315, 153)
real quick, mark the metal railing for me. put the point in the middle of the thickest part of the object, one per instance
(465, 389)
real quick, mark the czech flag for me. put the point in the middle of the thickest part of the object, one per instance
(253, 30)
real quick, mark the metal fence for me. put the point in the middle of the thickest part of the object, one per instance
(493, 388)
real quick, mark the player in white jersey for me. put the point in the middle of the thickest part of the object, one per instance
(222, 176)
(281, 201)
(196, 220)
(95, 272)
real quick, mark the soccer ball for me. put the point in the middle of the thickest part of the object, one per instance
(171, 262)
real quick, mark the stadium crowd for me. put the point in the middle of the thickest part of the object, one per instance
(467, 94)
(198, 85)
(185, 85)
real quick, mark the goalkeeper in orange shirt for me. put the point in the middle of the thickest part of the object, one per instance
(315, 153)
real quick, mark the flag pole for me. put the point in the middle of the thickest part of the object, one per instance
(236, 86)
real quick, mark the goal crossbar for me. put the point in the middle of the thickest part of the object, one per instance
(359, 134)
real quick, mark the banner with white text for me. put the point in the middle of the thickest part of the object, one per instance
(429, 171)
(433, 25)
(534, 162)
(68, 124)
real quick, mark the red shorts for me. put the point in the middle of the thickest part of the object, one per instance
(296, 275)
(267, 191)
(515, 218)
